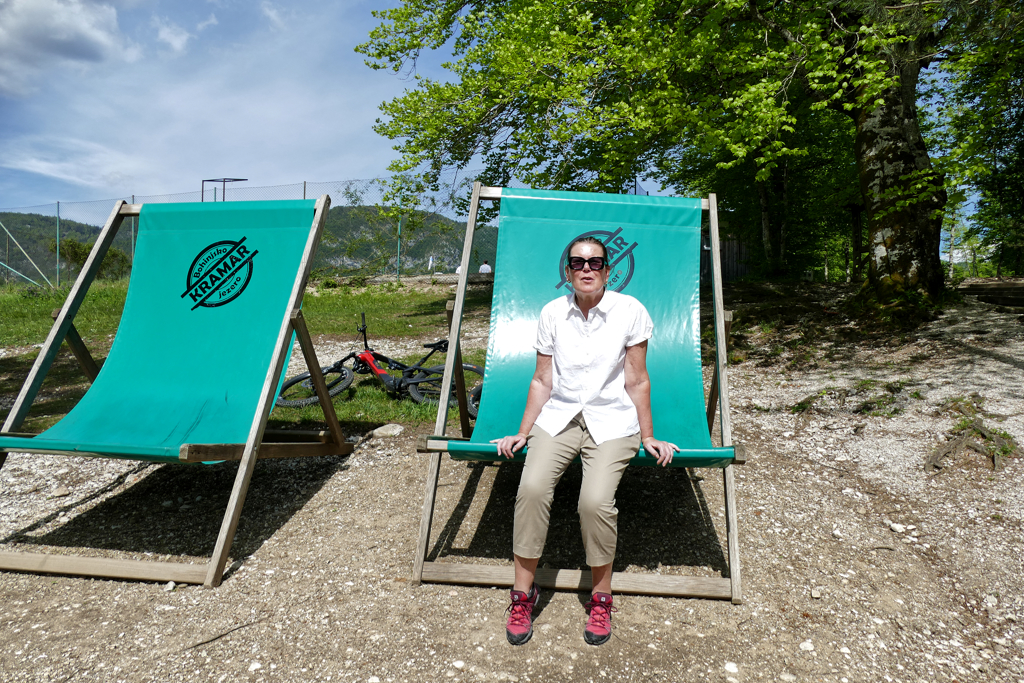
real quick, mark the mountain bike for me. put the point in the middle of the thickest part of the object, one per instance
(421, 383)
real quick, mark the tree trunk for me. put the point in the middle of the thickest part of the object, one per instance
(856, 234)
(784, 213)
(766, 238)
(892, 161)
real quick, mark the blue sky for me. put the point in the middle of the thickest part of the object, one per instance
(107, 98)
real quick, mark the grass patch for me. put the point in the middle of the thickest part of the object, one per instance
(366, 404)
(363, 406)
(26, 312)
(391, 311)
(63, 387)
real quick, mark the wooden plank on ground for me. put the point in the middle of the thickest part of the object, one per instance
(104, 567)
(209, 452)
(577, 580)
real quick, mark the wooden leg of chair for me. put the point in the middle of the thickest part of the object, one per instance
(429, 496)
(732, 534)
(215, 570)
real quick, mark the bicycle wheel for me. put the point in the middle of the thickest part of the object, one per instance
(298, 391)
(426, 386)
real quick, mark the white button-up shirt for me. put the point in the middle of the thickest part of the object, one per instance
(588, 363)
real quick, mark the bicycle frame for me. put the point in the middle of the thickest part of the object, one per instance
(367, 362)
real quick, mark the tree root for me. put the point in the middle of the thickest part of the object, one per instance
(997, 447)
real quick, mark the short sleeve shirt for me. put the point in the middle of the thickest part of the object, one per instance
(588, 363)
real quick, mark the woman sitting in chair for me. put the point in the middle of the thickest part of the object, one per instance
(590, 396)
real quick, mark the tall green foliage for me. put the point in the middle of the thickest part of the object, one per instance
(588, 95)
(985, 135)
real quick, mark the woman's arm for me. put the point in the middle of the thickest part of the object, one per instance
(540, 392)
(638, 386)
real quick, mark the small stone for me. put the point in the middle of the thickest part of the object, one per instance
(254, 666)
(388, 430)
(169, 586)
(459, 664)
(844, 650)
(816, 594)
(372, 679)
(60, 492)
(787, 677)
(807, 646)
(732, 668)
(898, 528)
(991, 600)
(167, 503)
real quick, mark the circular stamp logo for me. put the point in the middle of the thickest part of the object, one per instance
(620, 256)
(219, 274)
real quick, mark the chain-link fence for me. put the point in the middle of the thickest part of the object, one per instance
(381, 228)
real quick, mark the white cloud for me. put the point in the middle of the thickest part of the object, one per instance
(272, 13)
(212, 21)
(37, 34)
(73, 160)
(172, 34)
(202, 115)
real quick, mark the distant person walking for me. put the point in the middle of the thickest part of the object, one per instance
(484, 268)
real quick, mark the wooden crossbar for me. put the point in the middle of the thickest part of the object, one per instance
(576, 580)
(103, 567)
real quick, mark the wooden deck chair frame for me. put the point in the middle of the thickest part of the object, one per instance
(285, 443)
(727, 588)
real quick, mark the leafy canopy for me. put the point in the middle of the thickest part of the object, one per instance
(589, 94)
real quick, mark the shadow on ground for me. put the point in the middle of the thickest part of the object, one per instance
(664, 521)
(177, 510)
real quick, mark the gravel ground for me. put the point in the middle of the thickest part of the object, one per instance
(857, 565)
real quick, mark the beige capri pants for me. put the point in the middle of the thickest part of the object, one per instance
(546, 461)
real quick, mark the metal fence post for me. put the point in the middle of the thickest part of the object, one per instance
(58, 245)
(399, 260)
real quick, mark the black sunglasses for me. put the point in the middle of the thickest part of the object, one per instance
(595, 263)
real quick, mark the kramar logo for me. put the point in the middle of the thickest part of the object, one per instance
(620, 255)
(219, 274)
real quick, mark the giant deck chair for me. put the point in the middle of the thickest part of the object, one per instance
(213, 301)
(654, 246)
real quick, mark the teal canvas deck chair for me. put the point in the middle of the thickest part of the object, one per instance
(654, 244)
(214, 301)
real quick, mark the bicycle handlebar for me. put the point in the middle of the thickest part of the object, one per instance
(362, 329)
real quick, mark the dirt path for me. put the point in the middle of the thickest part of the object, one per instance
(857, 565)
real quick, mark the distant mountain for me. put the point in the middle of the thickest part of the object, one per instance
(357, 239)
(34, 232)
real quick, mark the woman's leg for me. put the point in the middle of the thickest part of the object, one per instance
(602, 470)
(602, 578)
(546, 461)
(526, 571)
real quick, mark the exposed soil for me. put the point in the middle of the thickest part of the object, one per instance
(857, 564)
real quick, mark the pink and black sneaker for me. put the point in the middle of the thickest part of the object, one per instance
(599, 625)
(519, 627)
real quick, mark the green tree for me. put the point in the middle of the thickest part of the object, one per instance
(985, 135)
(587, 95)
(115, 265)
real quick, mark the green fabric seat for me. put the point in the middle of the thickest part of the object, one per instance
(654, 246)
(210, 285)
